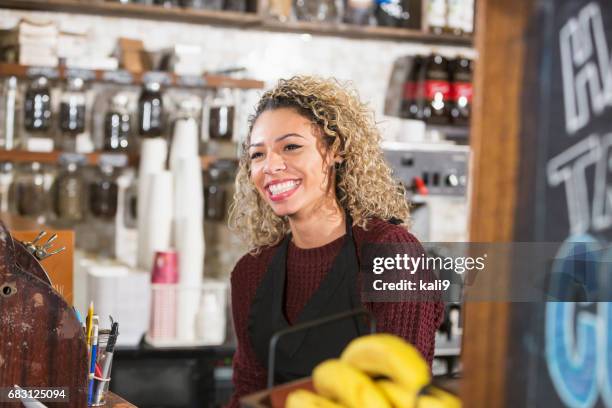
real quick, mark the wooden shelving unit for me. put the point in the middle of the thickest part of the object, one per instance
(22, 156)
(234, 19)
(206, 81)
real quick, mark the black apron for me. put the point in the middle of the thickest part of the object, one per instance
(298, 353)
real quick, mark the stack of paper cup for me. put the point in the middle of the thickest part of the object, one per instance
(152, 160)
(184, 141)
(188, 223)
(163, 298)
(189, 241)
(158, 216)
(190, 245)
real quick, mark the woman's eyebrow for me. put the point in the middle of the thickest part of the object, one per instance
(278, 139)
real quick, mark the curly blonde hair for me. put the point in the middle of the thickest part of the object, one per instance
(364, 185)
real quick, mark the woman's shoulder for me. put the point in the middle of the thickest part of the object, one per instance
(380, 231)
(252, 265)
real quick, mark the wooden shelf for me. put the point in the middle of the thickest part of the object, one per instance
(54, 156)
(234, 19)
(206, 81)
(366, 32)
(22, 156)
(116, 9)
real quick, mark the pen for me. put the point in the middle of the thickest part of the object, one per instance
(108, 359)
(78, 315)
(92, 368)
(90, 313)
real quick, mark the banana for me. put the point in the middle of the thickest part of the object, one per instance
(308, 399)
(389, 356)
(429, 401)
(341, 382)
(400, 397)
(448, 399)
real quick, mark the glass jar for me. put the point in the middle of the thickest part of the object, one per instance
(328, 11)
(69, 194)
(8, 137)
(150, 110)
(398, 13)
(166, 3)
(6, 179)
(217, 185)
(235, 5)
(72, 107)
(30, 193)
(221, 116)
(117, 124)
(359, 12)
(37, 106)
(202, 4)
(214, 196)
(103, 193)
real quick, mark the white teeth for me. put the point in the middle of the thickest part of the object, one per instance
(280, 188)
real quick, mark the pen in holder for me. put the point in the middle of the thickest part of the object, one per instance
(102, 375)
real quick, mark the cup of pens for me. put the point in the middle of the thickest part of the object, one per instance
(101, 345)
(101, 377)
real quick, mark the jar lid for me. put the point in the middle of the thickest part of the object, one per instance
(120, 101)
(152, 86)
(11, 82)
(6, 167)
(40, 82)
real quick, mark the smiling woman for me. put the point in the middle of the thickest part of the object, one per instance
(311, 190)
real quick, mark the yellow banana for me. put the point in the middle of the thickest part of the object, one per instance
(389, 356)
(448, 400)
(400, 397)
(341, 382)
(308, 399)
(429, 401)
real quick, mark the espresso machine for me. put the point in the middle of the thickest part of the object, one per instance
(436, 179)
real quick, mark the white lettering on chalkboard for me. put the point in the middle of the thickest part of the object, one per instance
(585, 67)
(602, 195)
(568, 168)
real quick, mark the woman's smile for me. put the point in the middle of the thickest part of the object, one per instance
(279, 190)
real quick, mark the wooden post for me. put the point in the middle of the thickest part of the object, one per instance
(500, 42)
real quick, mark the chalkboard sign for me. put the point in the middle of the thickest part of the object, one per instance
(563, 350)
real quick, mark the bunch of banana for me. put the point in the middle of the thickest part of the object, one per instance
(375, 371)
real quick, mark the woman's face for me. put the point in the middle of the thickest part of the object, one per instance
(289, 163)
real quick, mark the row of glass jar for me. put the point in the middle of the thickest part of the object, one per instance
(231, 5)
(68, 194)
(394, 13)
(117, 116)
(71, 193)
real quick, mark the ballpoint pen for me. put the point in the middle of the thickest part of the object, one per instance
(108, 359)
(92, 367)
(90, 313)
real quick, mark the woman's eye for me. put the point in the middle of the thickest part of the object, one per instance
(292, 147)
(256, 155)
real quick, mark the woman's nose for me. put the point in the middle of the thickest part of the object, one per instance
(274, 162)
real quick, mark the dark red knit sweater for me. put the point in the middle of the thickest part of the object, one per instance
(414, 321)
